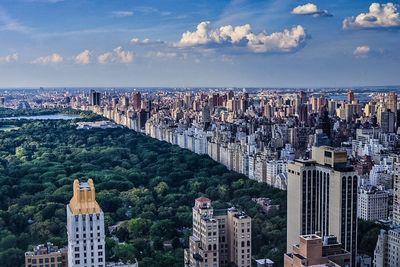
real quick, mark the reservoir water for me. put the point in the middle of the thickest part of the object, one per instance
(45, 117)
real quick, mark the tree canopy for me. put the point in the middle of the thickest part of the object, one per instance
(145, 187)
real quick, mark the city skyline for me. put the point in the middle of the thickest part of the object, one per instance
(179, 44)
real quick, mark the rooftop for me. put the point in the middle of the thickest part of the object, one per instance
(84, 198)
(202, 199)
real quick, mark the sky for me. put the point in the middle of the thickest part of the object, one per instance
(203, 43)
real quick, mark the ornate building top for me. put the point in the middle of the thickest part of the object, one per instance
(84, 198)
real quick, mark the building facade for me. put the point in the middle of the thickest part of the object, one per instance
(372, 203)
(220, 237)
(85, 227)
(313, 250)
(322, 197)
(387, 248)
(396, 195)
(46, 255)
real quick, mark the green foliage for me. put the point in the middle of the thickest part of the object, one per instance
(367, 236)
(145, 187)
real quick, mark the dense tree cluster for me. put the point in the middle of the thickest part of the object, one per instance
(9, 112)
(145, 187)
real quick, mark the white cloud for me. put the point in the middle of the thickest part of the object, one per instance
(83, 58)
(105, 58)
(285, 41)
(146, 41)
(9, 58)
(201, 36)
(118, 54)
(53, 58)
(379, 16)
(124, 56)
(161, 54)
(310, 9)
(121, 14)
(362, 51)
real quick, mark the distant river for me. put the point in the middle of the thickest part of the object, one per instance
(44, 117)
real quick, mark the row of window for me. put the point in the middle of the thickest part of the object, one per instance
(84, 229)
(45, 260)
(45, 265)
(85, 261)
(91, 247)
(84, 217)
(84, 235)
(100, 253)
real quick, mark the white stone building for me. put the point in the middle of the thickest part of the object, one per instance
(85, 228)
(372, 203)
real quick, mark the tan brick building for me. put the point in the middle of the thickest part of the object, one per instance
(220, 237)
(46, 256)
(313, 250)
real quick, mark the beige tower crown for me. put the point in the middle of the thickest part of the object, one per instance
(84, 198)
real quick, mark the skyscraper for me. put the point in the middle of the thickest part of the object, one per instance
(94, 98)
(124, 102)
(350, 96)
(220, 238)
(85, 227)
(322, 198)
(396, 195)
(137, 101)
(387, 248)
(392, 102)
(387, 119)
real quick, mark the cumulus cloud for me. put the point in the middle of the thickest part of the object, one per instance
(285, 41)
(118, 54)
(121, 14)
(146, 41)
(362, 51)
(379, 16)
(53, 58)
(83, 58)
(123, 56)
(310, 9)
(9, 58)
(105, 58)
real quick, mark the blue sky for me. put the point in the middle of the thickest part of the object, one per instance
(135, 43)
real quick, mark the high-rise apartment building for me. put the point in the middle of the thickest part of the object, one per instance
(372, 203)
(392, 102)
(396, 195)
(220, 237)
(322, 197)
(124, 102)
(350, 96)
(313, 250)
(273, 168)
(387, 248)
(85, 227)
(94, 98)
(137, 101)
(387, 121)
(46, 255)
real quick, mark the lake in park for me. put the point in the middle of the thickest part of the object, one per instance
(45, 117)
